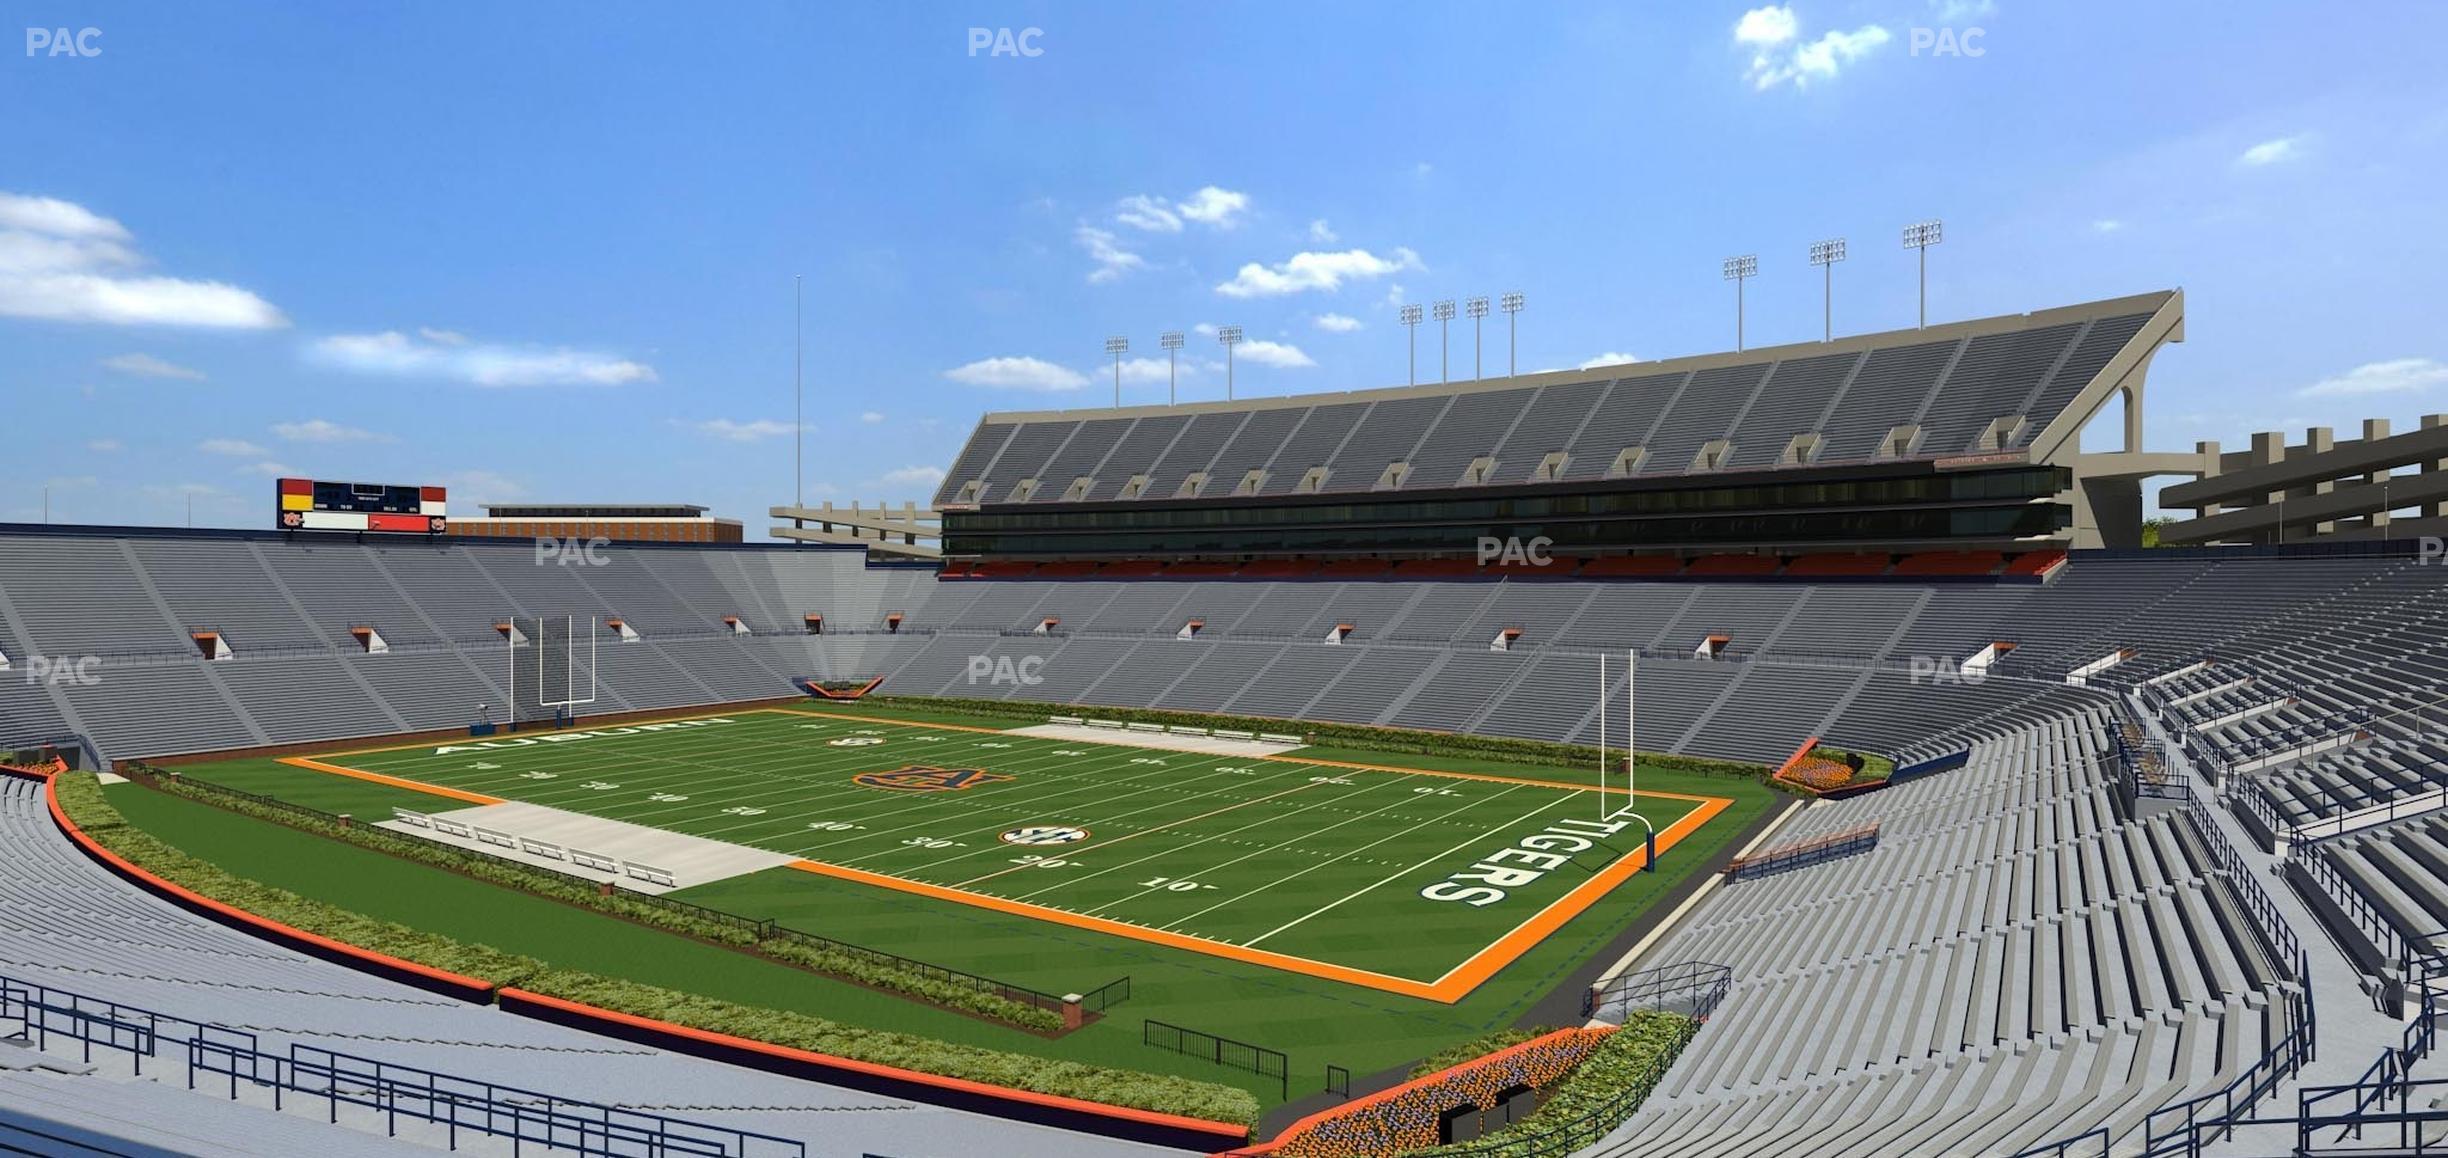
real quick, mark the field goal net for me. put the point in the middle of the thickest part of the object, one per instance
(552, 666)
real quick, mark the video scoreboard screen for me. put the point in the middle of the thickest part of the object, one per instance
(307, 505)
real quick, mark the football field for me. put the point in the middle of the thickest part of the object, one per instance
(1411, 881)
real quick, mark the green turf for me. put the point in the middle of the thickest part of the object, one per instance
(800, 779)
(1368, 869)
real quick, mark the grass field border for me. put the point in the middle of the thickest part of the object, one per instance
(1451, 987)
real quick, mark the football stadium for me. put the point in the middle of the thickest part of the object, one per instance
(1875, 744)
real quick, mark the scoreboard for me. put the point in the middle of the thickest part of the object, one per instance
(307, 505)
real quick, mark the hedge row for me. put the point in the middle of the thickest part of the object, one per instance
(81, 796)
(1352, 735)
(1172, 1095)
(1601, 1092)
(1476, 1048)
(738, 933)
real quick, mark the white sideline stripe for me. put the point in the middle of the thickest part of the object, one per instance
(1475, 838)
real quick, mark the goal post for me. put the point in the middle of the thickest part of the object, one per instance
(552, 666)
(1630, 810)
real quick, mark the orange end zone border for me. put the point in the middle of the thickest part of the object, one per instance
(1456, 984)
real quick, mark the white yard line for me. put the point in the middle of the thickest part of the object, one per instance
(1336, 858)
(1181, 849)
(1398, 875)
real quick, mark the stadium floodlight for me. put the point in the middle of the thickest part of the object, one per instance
(1477, 308)
(1511, 304)
(1117, 347)
(1739, 270)
(1825, 255)
(1411, 321)
(1230, 336)
(1171, 340)
(1919, 236)
(1444, 312)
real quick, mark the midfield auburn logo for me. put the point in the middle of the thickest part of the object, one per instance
(920, 778)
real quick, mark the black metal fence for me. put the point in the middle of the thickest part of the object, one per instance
(237, 1059)
(1223, 1051)
(1694, 988)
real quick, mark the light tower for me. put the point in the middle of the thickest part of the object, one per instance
(1921, 235)
(1117, 347)
(1444, 315)
(1511, 304)
(1739, 270)
(1825, 255)
(1411, 321)
(1171, 340)
(1230, 336)
(1477, 309)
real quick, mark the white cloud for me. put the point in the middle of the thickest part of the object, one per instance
(1153, 371)
(1610, 358)
(1314, 271)
(268, 469)
(1211, 206)
(2107, 225)
(105, 446)
(1337, 323)
(1141, 211)
(1322, 233)
(2391, 377)
(1779, 56)
(1394, 295)
(62, 262)
(755, 430)
(1949, 11)
(1281, 355)
(1207, 328)
(321, 430)
(1766, 26)
(871, 416)
(1112, 261)
(396, 354)
(148, 366)
(1017, 374)
(914, 476)
(236, 447)
(2273, 151)
(469, 490)
(443, 337)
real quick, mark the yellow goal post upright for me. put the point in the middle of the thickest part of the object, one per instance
(1630, 809)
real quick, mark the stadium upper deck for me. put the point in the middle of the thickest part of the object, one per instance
(2011, 389)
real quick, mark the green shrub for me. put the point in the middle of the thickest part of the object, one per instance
(1477, 1047)
(82, 797)
(1145, 1091)
(1596, 1097)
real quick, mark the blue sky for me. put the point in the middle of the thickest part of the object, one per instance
(544, 251)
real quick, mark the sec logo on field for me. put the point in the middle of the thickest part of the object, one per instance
(1045, 834)
(854, 741)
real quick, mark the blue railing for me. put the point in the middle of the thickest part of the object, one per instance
(455, 1104)
(2078, 1146)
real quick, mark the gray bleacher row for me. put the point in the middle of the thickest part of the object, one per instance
(2402, 869)
(1864, 663)
(1952, 388)
(2012, 964)
(76, 927)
